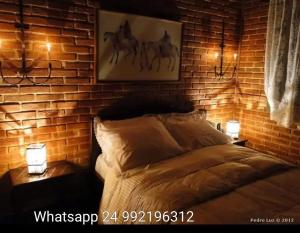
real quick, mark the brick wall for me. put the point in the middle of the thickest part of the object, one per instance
(252, 108)
(60, 112)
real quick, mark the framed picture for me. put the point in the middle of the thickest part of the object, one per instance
(137, 48)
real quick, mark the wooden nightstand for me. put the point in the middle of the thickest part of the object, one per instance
(240, 142)
(64, 186)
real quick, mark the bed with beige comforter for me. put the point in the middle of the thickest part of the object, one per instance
(222, 184)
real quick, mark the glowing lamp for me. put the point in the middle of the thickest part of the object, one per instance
(233, 129)
(216, 56)
(36, 158)
(234, 56)
(48, 47)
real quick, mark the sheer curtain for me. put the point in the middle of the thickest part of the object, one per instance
(282, 68)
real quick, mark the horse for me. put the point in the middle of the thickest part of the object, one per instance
(160, 49)
(169, 51)
(115, 45)
(129, 42)
(122, 40)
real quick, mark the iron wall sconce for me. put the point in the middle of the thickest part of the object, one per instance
(24, 70)
(221, 70)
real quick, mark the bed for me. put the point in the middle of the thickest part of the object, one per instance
(215, 184)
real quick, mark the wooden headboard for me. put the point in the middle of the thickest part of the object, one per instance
(136, 105)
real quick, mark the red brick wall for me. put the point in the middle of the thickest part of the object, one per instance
(252, 109)
(60, 112)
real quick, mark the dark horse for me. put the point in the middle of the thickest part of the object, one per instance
(160, 49)
(122, 40)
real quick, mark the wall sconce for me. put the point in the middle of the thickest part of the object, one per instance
(221, 70)
(36, 158)
(233, 129)
(23, 73)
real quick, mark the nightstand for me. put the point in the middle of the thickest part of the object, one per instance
(63, 187)
(240, 142)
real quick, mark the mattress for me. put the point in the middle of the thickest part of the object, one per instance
(223, 184)
(101, 167)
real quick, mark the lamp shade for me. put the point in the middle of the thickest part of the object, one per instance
(36, 158)
(233, 128)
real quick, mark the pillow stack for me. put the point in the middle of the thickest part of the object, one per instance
(140, 141)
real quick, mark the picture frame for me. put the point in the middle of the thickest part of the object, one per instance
(137, 48)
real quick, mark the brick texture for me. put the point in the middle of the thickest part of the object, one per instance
(60, 112)
(252, 107)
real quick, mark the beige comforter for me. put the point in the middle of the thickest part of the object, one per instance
(224, 184)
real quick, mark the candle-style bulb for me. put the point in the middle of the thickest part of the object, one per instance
(48, 47)
(216, 55)
(235, 56)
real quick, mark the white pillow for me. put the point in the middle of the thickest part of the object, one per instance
(135, 142)
(107, 124)
(195, 134)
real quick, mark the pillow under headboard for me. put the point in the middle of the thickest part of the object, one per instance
(138, 105)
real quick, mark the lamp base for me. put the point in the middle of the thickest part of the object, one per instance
(37, 169)
(37, 174)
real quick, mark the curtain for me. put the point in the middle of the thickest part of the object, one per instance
(282, 58)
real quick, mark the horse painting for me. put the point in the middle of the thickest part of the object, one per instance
(135, 48)
(122, 41)
(159, 49)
